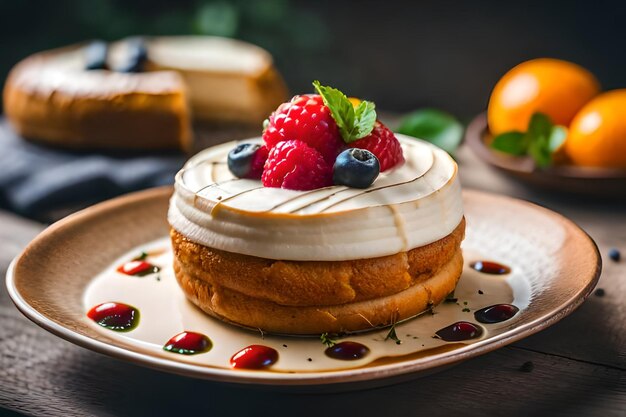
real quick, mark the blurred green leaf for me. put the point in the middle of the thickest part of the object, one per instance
(539, 142)
(513, 143)
(539, 125)
(558, 134)
(437, 127)
(540, 130)
(539, 151)
(267, 11)
(218, 19)
(309, 33)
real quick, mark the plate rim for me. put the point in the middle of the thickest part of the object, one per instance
(344, 376)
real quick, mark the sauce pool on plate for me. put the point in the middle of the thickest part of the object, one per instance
(254, 357)
(138, 268)
(188, 343)
(489, 267)
(459, 331)
(347, 351)
(119, 317)
(496, 313)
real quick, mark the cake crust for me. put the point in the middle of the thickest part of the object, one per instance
(100, 110)
(309, 297)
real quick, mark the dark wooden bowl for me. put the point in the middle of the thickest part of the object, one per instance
(599, 182)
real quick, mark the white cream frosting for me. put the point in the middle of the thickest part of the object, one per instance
(410, 206)
(207, 53)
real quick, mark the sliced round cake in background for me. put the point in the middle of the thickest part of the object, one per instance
(49, 97)
(143, 96)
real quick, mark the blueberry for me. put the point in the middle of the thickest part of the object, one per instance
(136, 56)
(240, 159)
(615, 255)
(356, 168)
(96, 55)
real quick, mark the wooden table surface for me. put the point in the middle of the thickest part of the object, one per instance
(579, 363)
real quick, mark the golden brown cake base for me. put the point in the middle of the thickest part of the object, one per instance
(96, 109)
(312, 297)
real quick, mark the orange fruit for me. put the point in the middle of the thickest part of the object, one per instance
(355, 101)
(550, 86)
(597, 135)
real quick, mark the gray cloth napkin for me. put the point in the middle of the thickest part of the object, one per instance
(36, 179)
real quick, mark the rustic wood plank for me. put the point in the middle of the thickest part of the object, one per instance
(15, 233)
(595, 332)
(49, 377)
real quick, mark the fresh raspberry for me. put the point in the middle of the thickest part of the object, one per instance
(384, 144)
(258, 162)
(295, 165)
(307, 119)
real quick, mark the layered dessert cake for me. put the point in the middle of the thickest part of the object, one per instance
(140, 93)
(329, 223)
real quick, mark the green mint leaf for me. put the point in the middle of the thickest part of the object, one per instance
(539, 150)
(353, 123)
(327, 340)
(544, 138)
(539, 125)
(557, 136)
(339, 106)
(514, 143)
(365, 118)
(435, 126)
(539, 142)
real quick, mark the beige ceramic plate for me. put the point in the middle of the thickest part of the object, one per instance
(600, 182)
(71, 266)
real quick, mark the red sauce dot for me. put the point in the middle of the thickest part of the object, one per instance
(347, 351)
(188, 343)
(254, 357)
(488, 267)
(115, 316)
(461, 330)
(495, 313)
(138, 268)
